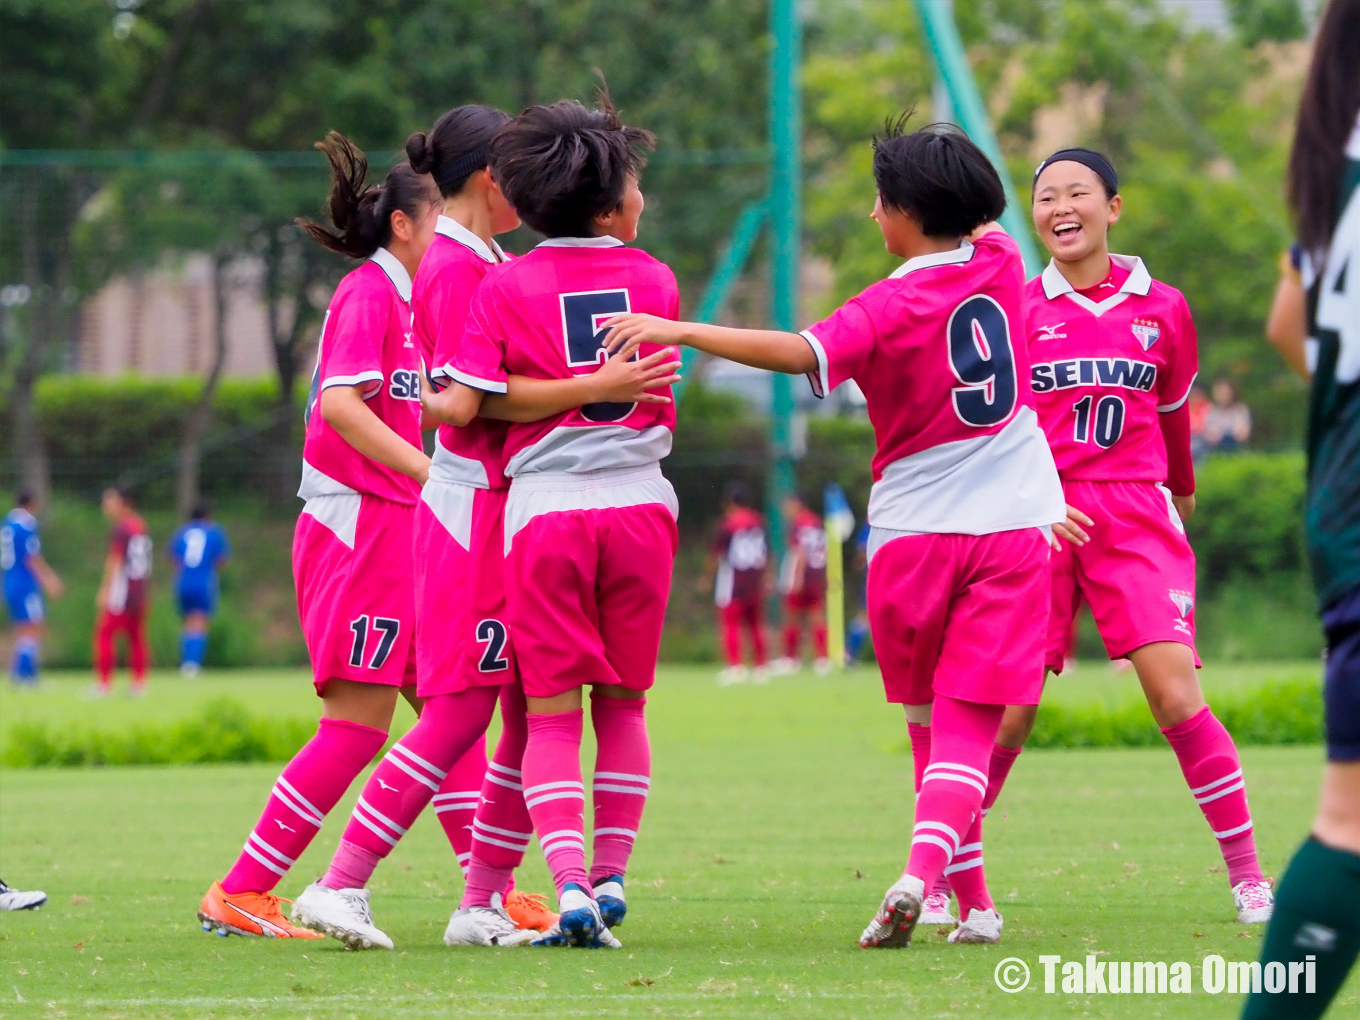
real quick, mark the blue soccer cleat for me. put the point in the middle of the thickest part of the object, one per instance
(609, 898)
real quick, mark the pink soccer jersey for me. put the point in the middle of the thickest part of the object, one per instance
(938, 350)
(543, 316)
(367, 340)
(1102, 371)
(454, 265)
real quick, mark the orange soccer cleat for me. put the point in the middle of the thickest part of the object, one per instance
(248, 913)
(529, 911)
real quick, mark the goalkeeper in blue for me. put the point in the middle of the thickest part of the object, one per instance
(27, 577)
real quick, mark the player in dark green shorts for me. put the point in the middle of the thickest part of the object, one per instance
(1316, 324)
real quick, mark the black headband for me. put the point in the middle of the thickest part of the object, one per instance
(1102, 167)
(461, 169)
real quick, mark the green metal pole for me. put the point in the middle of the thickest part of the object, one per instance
(785, 201)
(951, 64)
(725, 274)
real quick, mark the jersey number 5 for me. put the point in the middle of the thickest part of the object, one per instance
(583, 317)
(981, 358)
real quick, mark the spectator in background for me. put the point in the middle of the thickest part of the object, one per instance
(736, 569)
(802, 581)
(26, 578)
(122, 600)
(1227, 424)
(197, 550)
(1199, 414)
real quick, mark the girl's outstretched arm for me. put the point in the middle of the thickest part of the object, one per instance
(770, 349)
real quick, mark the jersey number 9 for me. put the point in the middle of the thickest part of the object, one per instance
(981, 358)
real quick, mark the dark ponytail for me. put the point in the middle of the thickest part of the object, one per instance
(362, 213)
(1327, 112)
(456, 147)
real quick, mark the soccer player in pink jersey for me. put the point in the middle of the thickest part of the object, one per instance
(964, 483)
(464, 657)
(1113, 359)
(590, 522)
(362, 470)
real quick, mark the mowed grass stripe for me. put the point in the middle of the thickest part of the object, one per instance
(778, 816)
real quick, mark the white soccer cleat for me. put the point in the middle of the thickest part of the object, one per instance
(784, 666)
(486, 926)
(190, 670)
(13, 899)
(981, 926)
(896, 919)
(1255, 902)
(733, 675)
(935, 909)
(342, 914)
(821, 666)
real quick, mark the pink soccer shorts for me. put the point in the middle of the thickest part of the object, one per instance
(961, 615)
(462, 631)
(1137, 573)
(587, 596)
(352, 568)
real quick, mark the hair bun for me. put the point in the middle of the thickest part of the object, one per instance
(420, 152)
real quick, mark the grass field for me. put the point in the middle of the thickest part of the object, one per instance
(779, 815)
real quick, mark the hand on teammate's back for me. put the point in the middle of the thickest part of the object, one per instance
(627, 381)
(1071, 528)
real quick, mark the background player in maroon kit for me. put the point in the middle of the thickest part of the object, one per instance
(590, 532)
(1114, 358)
(362, 470)
(736, 570)
(121, 603)
(964, 485)
(802, 582)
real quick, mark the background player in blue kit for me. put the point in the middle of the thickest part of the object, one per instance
(26, 577)
(198, 550)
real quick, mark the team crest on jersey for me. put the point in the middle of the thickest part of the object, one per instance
(1051, 332)
(1184, 601)
(1146, 331)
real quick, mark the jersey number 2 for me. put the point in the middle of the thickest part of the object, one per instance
(583, 317)
(492, 634)
(981, 358)
(387, 629)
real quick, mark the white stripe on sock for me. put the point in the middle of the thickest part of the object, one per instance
(301, 812)
(503, 782)
(976, 862)
(480, 825)
(480, 837)
(927, 837)
(619, 789)
(418, 777)
(926, 823)
(564, 795)
(498, 767)
(265, 860)
(407, 753)
(456, 795)
(281, 858)
(1236, 831)
(970, 848)
(380, 816)
(1241, 784)
(444, 809)
(373, 828)
(948, 777)
(565, 784)
(292, 791)
(956, 767)
(1217, 782)
(626, 777)
(629, 834)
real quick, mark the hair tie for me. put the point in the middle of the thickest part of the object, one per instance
(462, 167)
(1089, 158)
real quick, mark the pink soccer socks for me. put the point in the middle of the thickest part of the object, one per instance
(407, 779)
(303, 795)
(502, 829)
(1210, 764)
(623, 771)
(455, 805)
(555, 795)
(953, 784)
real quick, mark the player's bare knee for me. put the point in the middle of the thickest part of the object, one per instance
(917, 715)
(1016, 726)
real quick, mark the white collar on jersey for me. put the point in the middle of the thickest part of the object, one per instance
(581, 242)
(455, 231)
(954, 256)
(1139, 282)
(396, 272)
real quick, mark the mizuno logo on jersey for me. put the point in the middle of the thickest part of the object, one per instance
(1146, 331)
(1116, 373)
(1051, 332)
